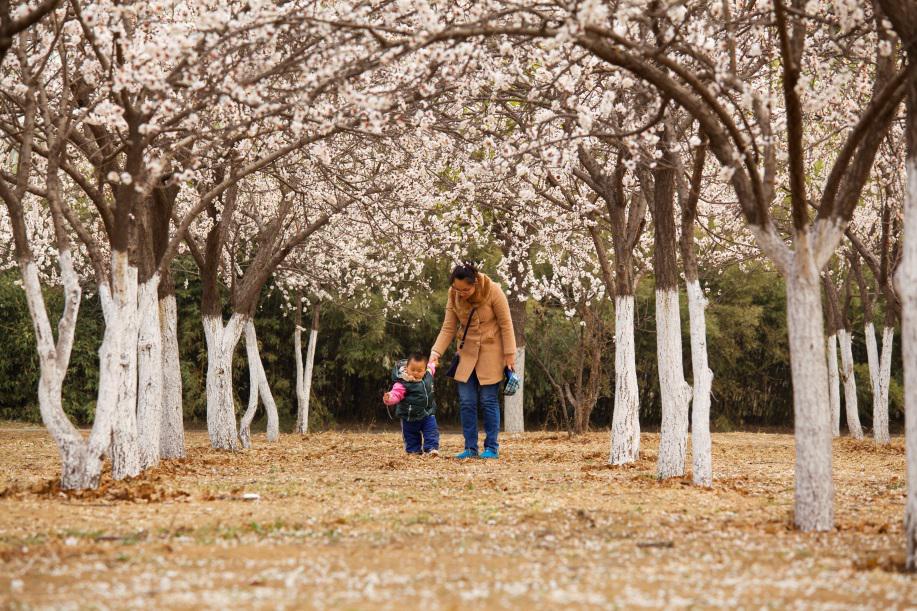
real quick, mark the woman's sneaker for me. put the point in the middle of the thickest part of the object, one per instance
(467, 454)
(488, 453)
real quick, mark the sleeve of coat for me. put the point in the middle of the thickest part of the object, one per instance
(505, 320)
(447, 332)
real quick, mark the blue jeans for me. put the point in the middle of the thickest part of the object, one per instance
(471, 395)
(420, 435)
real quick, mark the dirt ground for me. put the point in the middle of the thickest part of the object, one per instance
(346, 520)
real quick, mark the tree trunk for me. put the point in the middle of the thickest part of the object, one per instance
(850, 388)
(302, 426)
(514, 405)
(833, 325)
(81, 462)
(625, 425)
(814, 486)
(258, 387)
(254, 386)
(703, 380)
(149, 374)
(701, 445)
(172, 432)
(305, 397)
(221, 410)
(158, 222)
(872, 359)
(907, 289)
(626, 226)
(880, 398)
(118, 374)
(674, 391)
(834, 386)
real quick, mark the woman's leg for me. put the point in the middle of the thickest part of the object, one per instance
(490, 402)
(468, 410)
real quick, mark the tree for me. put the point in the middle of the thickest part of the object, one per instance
(701, 444)
(304, 373)
(841, 310)
(903, 17)
(81, 459)
(675, 391)
(882, 259)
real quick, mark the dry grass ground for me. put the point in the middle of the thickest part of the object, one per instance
(348, 521)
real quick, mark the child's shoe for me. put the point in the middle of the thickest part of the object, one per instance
(433, 452)
(488, 453)
(467, 454)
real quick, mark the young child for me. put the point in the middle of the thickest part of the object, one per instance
(412, 393)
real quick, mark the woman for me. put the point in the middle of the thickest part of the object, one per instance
(490, 346)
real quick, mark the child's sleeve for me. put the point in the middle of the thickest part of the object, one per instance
(396, 394)
(431, 367)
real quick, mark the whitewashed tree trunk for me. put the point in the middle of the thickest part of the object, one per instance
(309, 373)
(172, 431)
(850, 387)
(880, 397)
(906, 281)
(834, 386)
(872, 359)
(254, 381)
(149, 374)
(302, 424)
(674, 391)
(259, 387)
(81, 461)
(69, 441)
(514, 405)
(221, 410)
(814, 486)
(118, 376)
(701, 451)
(625, 424)
(302, 418)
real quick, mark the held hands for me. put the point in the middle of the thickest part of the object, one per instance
(386, 398)
(434, 359)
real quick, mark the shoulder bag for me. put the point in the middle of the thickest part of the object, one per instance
(453, 366)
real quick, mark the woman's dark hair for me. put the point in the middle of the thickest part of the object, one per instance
(417, 355)
(465, 271)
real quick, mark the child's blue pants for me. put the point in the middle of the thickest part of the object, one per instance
(420, 435)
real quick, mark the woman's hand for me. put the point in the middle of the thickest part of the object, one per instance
(510, 361)
(434, 359)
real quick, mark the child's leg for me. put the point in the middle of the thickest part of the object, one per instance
(430, 434)
(411, 433)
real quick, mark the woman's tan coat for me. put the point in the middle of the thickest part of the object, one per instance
(490, 335)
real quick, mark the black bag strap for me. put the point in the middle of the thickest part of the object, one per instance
(467, 324)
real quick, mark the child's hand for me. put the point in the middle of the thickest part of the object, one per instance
(387, 397)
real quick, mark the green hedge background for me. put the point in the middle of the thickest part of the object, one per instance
(746, 328)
